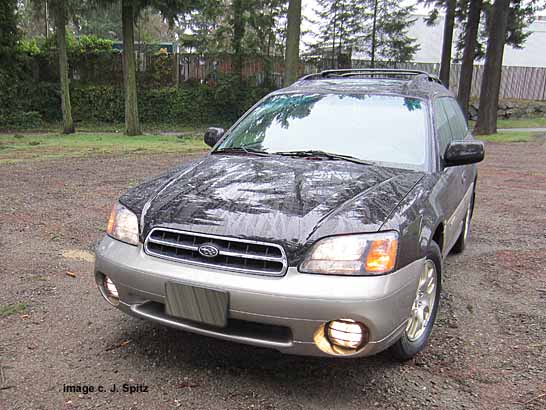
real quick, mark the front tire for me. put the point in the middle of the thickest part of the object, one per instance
(424, 309)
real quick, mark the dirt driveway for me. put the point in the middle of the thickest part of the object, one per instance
(488, 350)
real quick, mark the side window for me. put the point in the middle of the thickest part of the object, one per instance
(456, 119)
(441, 124)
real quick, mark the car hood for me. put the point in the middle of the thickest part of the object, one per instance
(283, 200)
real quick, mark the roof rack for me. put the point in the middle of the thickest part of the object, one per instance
(418, 75)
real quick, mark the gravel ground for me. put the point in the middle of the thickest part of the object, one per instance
(488, 350)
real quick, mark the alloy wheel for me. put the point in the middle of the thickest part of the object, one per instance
(423, 304)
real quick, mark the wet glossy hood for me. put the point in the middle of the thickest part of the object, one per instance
(289, 201)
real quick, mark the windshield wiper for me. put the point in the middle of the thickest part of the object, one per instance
(242, 149)
(324, 154)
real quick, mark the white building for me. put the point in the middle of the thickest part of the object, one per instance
(533, 54)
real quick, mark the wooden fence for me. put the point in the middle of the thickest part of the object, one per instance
(527, 83)
(522, 83)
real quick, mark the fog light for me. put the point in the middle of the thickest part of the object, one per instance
(341, 337)
(110, 291)
(345, 333)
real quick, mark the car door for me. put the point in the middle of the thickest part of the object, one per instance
(448, 186)
(460, 194)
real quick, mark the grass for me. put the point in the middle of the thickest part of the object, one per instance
(28, 146)
(509, 136)
(151, 128)
(8, 310)
(534, 122)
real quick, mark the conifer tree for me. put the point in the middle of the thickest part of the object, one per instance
(378, 28)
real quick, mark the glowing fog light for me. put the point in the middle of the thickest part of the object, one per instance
(345, 333)
(110, 291)
(341, 337)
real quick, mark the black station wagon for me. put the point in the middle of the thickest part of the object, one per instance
(316, 225)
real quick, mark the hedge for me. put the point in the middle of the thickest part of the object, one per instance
(191, 104)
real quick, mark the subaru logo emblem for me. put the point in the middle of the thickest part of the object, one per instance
(208, 251)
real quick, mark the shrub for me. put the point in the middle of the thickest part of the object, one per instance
(21, 120)
(25, 104)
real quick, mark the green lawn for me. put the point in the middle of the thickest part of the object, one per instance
(509, 136)
(28, 146)
(537, 122)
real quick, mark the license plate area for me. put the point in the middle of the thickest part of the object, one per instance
(197, 304)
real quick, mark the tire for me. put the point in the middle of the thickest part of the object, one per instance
(412, 342)
(460, 245)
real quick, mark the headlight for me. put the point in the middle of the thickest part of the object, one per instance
(365, 254)
(123, 225)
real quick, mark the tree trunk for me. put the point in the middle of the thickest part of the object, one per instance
(469, 53)
(489, 94)
(334, 38)
(292, 42)
(60, 33)
(237, 40)
(447, 43)
(132, 125)
(374, 37)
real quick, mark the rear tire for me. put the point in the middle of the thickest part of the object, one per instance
(415, 338)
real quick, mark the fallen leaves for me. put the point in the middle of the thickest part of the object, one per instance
(120, 344)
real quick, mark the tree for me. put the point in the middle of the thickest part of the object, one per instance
(469, 53)
(470, 13)
(128, 16)
(450, 7)
(340, 24)
(9, 35)
(388, 38)
(292, 42)
(447, 41)
(489, 95)
(377, 28)
(60, 34)
(238, 24)
(103, 22)
(130, 10)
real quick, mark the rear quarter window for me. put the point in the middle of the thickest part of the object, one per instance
(456, 119)
(441, 125)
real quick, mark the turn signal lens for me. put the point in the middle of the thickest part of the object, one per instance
(111, 221)
(381, 255)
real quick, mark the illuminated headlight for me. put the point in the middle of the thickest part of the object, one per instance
(123, 225)
(363, 254)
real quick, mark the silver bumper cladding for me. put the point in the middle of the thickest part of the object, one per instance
(282, 313)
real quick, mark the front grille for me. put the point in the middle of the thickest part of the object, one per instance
(234, 254)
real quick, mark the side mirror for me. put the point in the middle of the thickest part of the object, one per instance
(213, 135)
(463, 152)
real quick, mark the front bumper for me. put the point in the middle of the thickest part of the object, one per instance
(299, 303)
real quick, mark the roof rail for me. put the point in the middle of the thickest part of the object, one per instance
(418, 75)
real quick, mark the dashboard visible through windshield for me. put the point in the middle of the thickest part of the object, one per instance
(384, 129)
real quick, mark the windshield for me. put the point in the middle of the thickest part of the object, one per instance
(389, 130)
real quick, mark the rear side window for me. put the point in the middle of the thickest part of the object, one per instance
(441, 124)
(457, 122)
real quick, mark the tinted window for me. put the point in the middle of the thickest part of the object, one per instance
(441, 124)
(391, 130)
(459, 129)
